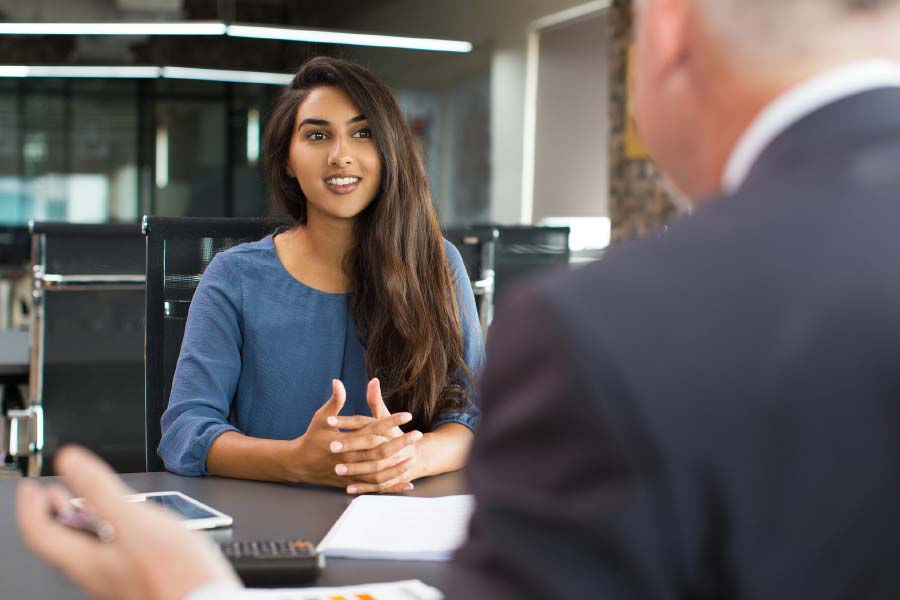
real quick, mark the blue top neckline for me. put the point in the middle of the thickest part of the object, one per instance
(270, 245)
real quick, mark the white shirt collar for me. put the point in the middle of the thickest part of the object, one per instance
(800, 101)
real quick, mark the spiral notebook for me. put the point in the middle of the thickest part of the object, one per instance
(400, 528)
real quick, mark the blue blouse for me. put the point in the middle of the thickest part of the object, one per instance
(260, 350)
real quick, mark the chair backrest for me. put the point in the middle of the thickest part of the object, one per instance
(476, 245)
(524, 251)
(87, 343)
(178, 252)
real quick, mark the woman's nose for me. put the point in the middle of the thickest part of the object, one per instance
(339, 156)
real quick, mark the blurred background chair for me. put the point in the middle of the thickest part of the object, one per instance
(178, 252)
(523, 251)
(86, 367)
(476, 245)
(15, 293)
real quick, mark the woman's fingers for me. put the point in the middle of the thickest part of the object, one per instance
(397, 483)
(363, 452)
(375, 400)
(359, 469)
(335, 403)
(351, 423)
(372, 436)
(356, 443)
(389, 474)
(364, 424)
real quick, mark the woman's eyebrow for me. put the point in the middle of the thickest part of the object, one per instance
(324, 123)
(317, 122)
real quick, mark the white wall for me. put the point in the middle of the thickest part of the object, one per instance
(571, 149)
(499, 27)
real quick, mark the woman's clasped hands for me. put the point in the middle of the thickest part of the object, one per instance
(364, 454)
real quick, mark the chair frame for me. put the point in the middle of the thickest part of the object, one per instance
(157, 230)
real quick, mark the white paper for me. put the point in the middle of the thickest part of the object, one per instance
(400, 528)
(398, 590)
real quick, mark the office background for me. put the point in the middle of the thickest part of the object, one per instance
(523, 131)
(513, 131)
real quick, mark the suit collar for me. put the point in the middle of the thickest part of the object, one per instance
(842, 124)
(804, 99)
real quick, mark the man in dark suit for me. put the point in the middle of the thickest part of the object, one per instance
(714, 412)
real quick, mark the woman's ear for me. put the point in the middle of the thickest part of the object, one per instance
(289, 170)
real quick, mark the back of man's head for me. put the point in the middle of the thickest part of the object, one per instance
(706, 68)
(805, 30)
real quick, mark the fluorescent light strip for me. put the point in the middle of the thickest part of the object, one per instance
(246, 31)
(95, 72)
(225, 75)
(342, 37)
(147, 73)
(180, 28)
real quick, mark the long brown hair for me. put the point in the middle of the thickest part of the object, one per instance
(402, 293)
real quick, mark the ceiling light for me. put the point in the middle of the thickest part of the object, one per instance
(100, 72)
(323, 36)
(343, 37)
(226, 75)
(180, 28)
(94, 72)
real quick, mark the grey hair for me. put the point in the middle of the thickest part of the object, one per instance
(806, 29)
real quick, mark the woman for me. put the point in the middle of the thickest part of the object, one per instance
(362, 285)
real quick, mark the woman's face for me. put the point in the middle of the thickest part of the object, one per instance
(333, 156)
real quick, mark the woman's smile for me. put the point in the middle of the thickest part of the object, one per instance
(342, 183)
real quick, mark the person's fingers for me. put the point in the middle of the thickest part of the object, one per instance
(61, 546)
(336, 402)
(385, 449)
(385, 425)
(405, 445)
(103, 490)
(375, 400)
(353, 443)
(403, 486)
(362, 424)
(358, 469)
(389, 474)
(372, 435)
(379, 488)
(352, 423)
(59, 499)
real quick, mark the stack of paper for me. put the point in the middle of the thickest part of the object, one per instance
(400, 528)
(400, 590)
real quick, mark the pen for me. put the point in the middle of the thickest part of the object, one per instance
(102, 530)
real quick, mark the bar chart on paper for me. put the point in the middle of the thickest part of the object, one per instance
(399, 590)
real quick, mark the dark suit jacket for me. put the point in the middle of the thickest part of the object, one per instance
(714, 412)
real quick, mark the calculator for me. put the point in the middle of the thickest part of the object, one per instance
(275, 563)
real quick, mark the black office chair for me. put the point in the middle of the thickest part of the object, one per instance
(86, 347)
(178, 252)
(476, 245)
(523, 252)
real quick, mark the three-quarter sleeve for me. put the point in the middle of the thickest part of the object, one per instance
(473, 342)
(207, 373)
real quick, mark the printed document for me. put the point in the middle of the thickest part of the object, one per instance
(400, 590)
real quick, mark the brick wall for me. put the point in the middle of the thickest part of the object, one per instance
(637, 201)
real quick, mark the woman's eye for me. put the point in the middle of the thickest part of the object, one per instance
(315, 135)
(363, 133)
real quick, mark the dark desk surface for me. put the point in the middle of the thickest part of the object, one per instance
(14, 347)
(260, 510)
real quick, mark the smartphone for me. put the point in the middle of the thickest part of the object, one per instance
(194, 514)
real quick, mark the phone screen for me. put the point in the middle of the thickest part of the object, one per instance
(187, 510)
